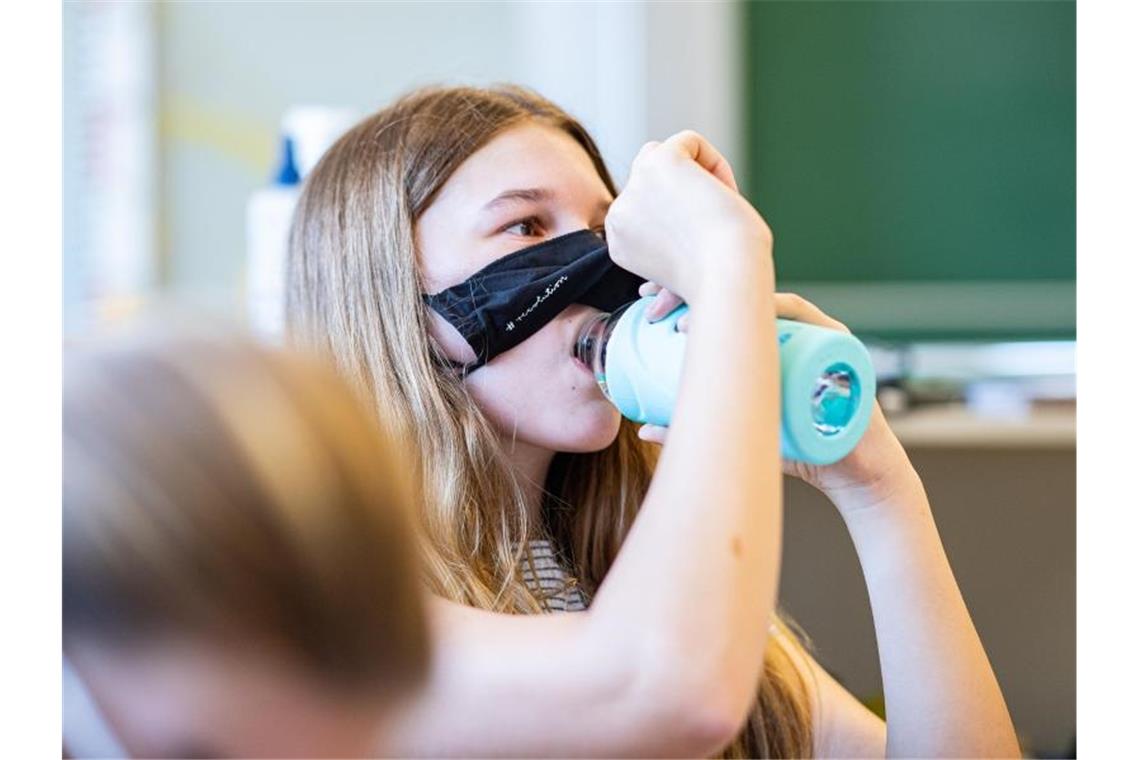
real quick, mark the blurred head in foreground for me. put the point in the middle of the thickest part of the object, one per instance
(239, 570)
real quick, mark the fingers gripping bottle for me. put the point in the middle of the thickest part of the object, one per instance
(827, 382)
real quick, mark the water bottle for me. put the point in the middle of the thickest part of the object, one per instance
(827, 382)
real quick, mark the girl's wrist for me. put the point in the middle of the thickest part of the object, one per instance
(740, 265)
(898, 497)
(877, 476)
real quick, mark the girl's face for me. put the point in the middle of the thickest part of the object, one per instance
(528, 184)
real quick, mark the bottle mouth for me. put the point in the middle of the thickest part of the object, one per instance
(589, 339)
(590, 347)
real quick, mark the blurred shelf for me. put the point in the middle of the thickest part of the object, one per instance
(956, 426)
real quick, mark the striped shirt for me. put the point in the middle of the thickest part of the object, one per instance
(550, 581)
(560, 591)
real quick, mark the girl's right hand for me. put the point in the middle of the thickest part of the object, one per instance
(680, 217)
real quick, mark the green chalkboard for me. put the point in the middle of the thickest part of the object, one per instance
(914, 141)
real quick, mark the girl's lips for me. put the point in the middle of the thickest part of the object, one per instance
(591, 381)
(579, 324)
(582, 366)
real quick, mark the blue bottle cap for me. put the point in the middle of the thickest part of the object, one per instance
(287, 173)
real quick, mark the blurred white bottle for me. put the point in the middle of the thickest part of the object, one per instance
(268, 216)
(306, 133)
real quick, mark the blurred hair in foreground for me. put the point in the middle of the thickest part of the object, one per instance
(218, 489)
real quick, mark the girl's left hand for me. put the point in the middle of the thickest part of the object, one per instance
(876, 470)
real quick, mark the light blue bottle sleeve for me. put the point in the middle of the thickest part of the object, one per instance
(826, 377)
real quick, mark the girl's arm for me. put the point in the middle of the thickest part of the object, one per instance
(941, 694)
(667, 659)
(942, 697)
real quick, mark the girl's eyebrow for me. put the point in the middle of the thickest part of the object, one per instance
(532, 194)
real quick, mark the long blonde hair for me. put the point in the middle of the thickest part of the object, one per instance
(216, 489)
(354, 289)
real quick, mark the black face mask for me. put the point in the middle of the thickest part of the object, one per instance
(508, 301)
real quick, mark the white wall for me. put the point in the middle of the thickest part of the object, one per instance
(694, 51)
(639, 71)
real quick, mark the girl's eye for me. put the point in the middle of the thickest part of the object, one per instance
(528, 227)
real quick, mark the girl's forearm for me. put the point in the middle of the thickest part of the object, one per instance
(698, 573)
(942, 697)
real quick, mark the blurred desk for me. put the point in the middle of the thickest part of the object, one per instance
(956, 426)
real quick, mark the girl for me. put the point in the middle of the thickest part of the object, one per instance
(412, 249)
(238, 578)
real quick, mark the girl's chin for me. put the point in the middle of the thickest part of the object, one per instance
(576, 428)
(598, 436)
(587, 429)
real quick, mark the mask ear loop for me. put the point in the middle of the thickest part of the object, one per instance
(459, 369)
(441, 359)
(86, 732)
